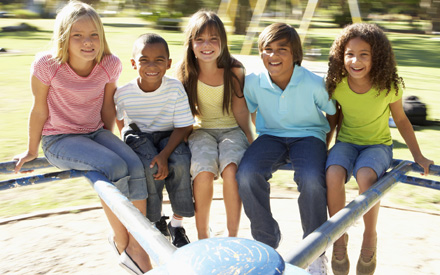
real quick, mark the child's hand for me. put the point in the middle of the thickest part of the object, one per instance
(22, 159)
(250, 138)
(162, 167)
(424, 162)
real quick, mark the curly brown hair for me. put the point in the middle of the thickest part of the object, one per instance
(383, 64)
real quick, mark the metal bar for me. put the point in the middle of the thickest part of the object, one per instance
(420, 182)
(317, 242)
(38, 163)
(434, 170)
(151, 240)
(307, 18)
(252, 29)
(31, 180)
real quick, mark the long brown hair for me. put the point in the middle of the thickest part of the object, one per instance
(383, 72)
(188, 71)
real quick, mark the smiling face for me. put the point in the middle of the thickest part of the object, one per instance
(151, 63)
(84, 42)
(207, 46)
(358, 59)
(277, 57)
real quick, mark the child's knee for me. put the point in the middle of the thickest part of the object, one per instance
(311, 182)
(230, 171)
(335, 175)
(116, 169)
(366, 177)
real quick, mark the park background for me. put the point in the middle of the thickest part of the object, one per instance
(412, 27)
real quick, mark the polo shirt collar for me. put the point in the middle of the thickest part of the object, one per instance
(266, 82)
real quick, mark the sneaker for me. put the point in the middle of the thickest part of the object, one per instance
(319, 266)
(161, 225)
(178, 236)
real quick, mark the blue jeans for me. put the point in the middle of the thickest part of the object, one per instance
(178, 181)
(263, 157)
(99, 151)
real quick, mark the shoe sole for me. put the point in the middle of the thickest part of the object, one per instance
(129, 265)
(112, 243)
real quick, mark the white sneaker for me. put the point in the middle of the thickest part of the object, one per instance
(319, 266)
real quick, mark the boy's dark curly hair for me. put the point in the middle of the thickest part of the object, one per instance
(383, 64)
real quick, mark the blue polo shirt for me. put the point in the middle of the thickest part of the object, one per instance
(295, 112)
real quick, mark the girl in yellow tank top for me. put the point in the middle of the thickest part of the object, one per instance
(214, 82)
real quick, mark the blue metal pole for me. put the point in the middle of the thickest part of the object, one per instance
(434, 170)
(38, 163)
(420, 182)
(151, 240)
(317, 242)
(31, 180)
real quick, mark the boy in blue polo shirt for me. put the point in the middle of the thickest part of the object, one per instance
(288, 101)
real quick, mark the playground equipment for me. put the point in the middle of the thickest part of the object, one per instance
(228, 9)
(227, 255)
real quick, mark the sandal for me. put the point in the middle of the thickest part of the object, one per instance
(112, 243)
(126, 262)
(366, 265)
(342, 266)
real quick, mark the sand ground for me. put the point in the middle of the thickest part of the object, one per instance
(76, 242)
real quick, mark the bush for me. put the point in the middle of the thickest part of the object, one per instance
(164, 20)
(25, 14)
(342, 19)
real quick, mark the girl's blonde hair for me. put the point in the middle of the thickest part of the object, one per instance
(383, 71)
(188, 72)
(67, 16)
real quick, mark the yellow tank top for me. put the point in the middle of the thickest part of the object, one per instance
(210, 105)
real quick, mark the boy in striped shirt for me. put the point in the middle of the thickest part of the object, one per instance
(154, 118)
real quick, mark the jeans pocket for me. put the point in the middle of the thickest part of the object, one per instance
(142, 146)
(182, 149)
(135, 141)
(48, 141)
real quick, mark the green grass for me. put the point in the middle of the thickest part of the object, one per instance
(417, 56)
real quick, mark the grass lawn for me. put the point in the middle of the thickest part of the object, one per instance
(418, 58)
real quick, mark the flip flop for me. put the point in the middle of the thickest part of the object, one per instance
(126, 262)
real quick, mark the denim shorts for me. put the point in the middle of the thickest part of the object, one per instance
(214, 149)
(353, 157)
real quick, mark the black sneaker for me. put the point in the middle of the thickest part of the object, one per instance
(178, 236)
(162, 226)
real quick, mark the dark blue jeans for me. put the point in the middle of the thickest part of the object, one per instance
(264, 156)
(178, 182)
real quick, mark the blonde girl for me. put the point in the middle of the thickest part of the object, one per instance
(362, 78)
(213, 80)
(73, 115)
